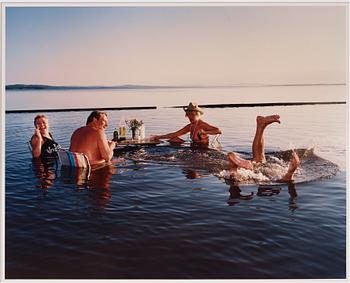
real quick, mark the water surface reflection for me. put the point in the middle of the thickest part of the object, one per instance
(46, 173)
(97, 182)
(262, 191)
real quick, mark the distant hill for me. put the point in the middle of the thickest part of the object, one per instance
(51, 87)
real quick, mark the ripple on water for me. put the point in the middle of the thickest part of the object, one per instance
(150, 220)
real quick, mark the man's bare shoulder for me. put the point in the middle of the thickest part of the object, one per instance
(83, 130)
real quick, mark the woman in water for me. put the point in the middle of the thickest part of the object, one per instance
(43, 144)
(198, 129)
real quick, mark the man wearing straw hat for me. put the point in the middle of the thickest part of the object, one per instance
(197, 128)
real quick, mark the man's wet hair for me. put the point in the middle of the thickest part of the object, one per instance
(95, 114)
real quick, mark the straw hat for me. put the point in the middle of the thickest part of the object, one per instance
(193, 107)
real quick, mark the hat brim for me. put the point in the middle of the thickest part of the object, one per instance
(193, 110)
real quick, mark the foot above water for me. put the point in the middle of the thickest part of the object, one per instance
(266, 120)
(239, 162)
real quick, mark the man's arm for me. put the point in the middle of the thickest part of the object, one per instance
(105, 147)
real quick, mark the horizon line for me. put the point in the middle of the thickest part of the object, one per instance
(141, 86)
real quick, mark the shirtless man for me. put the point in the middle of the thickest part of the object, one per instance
(198, 129)
(91, 139)
(258, 150)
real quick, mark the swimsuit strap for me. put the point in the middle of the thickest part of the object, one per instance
(46, 138)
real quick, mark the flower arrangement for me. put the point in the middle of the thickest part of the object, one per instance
(134, 123)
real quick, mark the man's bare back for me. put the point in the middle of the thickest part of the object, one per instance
(92, 141)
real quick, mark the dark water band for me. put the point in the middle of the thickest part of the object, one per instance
(202, 105)
(265, 104)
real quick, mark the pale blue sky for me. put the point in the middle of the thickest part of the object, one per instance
(176, 45)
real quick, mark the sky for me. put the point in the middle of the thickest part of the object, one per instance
(176, 45)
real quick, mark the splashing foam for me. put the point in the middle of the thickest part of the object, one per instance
(270, 171)
(215, 162)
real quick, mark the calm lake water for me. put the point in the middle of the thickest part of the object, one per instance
(46, 99)
(155, 220)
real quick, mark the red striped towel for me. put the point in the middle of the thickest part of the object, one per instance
(73, 159)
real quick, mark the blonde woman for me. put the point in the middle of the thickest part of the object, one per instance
(198, 129)
(42, 142)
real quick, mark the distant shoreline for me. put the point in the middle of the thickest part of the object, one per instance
(79, 109)
(235, 105)
(252, 85)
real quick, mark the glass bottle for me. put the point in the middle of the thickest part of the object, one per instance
(115, 135)
(143, 132)
(122, 129)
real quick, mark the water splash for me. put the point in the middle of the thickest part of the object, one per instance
(312, 167)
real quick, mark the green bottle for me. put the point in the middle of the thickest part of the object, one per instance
(115, 135)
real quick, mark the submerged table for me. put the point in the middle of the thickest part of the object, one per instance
(130, 142)
(130, 145)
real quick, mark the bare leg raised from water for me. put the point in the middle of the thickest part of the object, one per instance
(238, 162)
(259, 150)
(258, 142)
(294, 163)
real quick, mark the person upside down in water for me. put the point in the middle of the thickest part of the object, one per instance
(236, 162)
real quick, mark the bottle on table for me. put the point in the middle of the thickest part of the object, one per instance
(143, 132)
(115, 135)
(122, 130)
